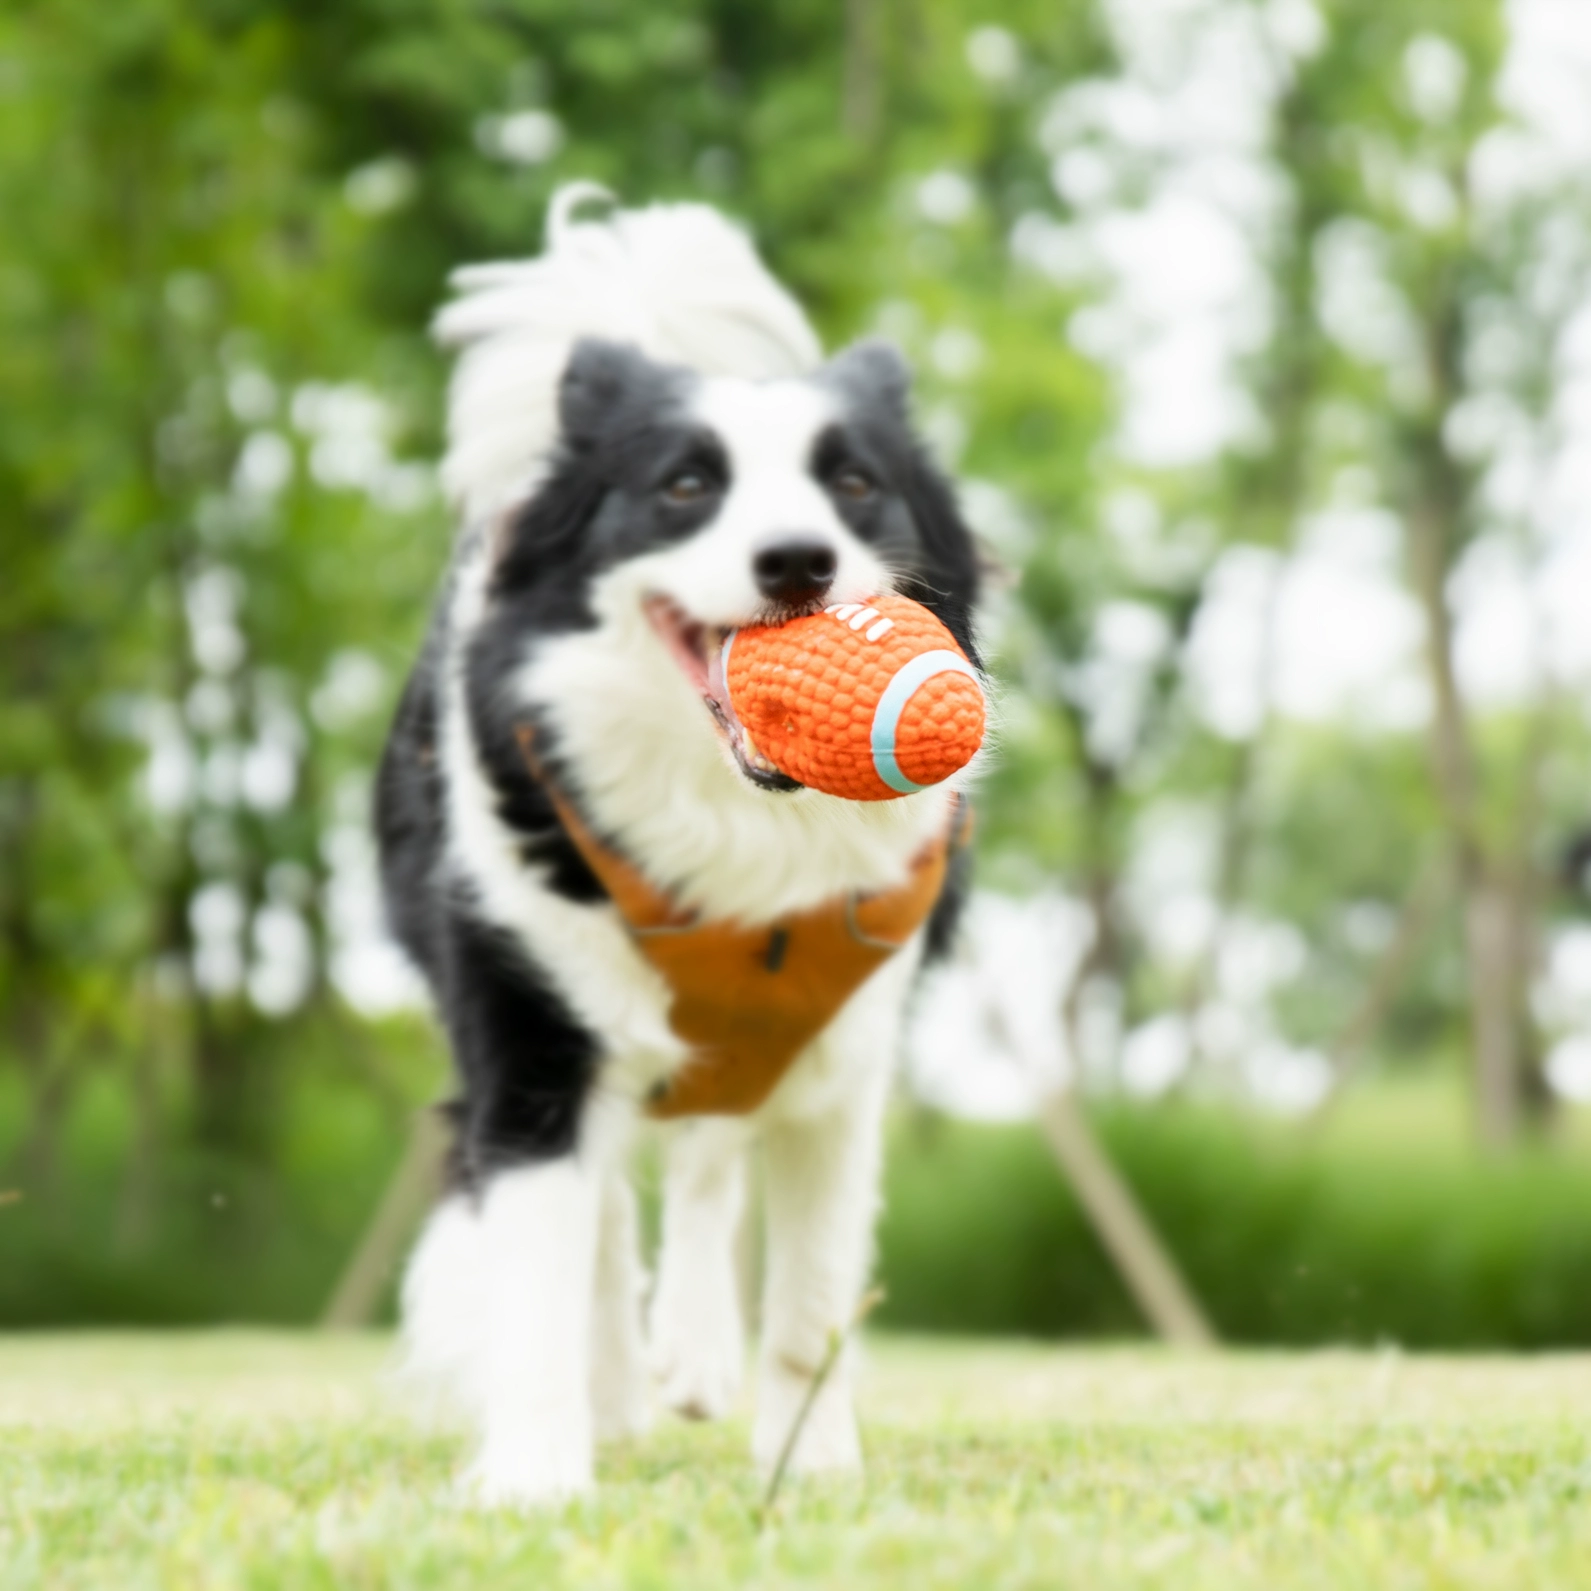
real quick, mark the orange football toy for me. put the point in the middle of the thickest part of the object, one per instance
(870, 701)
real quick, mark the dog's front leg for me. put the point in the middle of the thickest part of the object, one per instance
(498, 1302)
(620, 1391)
(821, 1181)
(697, 1338)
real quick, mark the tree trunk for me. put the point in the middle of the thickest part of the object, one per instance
(414, 1187)
(860, 90)
(1492, 928)
(1105, 958)
(135, 1210)
(1490, 938)
(1151, 1275)
(1419, 910)
(37, 1161)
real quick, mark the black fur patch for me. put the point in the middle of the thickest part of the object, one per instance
(525, 1064)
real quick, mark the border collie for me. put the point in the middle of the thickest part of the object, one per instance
(647, 450)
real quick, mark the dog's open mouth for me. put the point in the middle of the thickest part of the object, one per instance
(699, 650)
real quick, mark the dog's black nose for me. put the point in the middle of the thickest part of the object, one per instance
(795, 571)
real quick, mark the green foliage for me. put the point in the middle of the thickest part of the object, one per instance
(164, 1229)
(241, 216)
(1351, 1234)
(229, 220)
(177, 282)
(1374, 1227)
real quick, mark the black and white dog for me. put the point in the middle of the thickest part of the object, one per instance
(647, 451)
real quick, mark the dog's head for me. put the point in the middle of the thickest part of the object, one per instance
(679, 507)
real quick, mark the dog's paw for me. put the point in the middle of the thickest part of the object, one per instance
(700, 1379)
(700, 1386)
(531, 1474)
(697, 1355)
(829, 1443)
(622, 1404)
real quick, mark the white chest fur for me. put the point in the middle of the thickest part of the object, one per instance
(654, 776)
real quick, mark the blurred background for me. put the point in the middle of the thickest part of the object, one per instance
(1259, 332)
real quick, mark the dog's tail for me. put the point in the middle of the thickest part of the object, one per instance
(677, 280)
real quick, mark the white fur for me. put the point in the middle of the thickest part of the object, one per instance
(498, 1314)
(698, 1340)
(620, 1385)
(822, 1139)
(593, 961)
(522, 1307)
(769, 430)
(524, 1302)
(678, 281)
(656, 777)
(653, 771)
(822, 1149)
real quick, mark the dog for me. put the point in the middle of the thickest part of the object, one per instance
(647, 449)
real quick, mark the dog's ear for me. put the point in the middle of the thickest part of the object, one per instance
(875, 382)
(874, 376)
(946, 580)
(598, 378)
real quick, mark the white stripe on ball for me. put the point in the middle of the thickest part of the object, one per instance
(900, 690)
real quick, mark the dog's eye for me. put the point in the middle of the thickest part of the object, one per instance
(689, 486)
(852, 483)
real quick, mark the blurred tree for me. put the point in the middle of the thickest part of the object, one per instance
(1410, 293)
(216, 357)
(232, 221)
(1446, 288)
(178, 583)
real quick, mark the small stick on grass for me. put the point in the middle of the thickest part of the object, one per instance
(831, 1357)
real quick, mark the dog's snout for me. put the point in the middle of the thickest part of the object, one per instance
(795, 571)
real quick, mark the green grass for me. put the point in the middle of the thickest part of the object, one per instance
(270, 1460)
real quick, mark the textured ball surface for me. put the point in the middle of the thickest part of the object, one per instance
(869, 701)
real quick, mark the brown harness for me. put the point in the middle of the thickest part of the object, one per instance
(748, 1001)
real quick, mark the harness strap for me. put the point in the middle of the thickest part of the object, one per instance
(748, 1000)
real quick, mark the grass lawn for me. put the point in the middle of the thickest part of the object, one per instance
(275, 1460)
